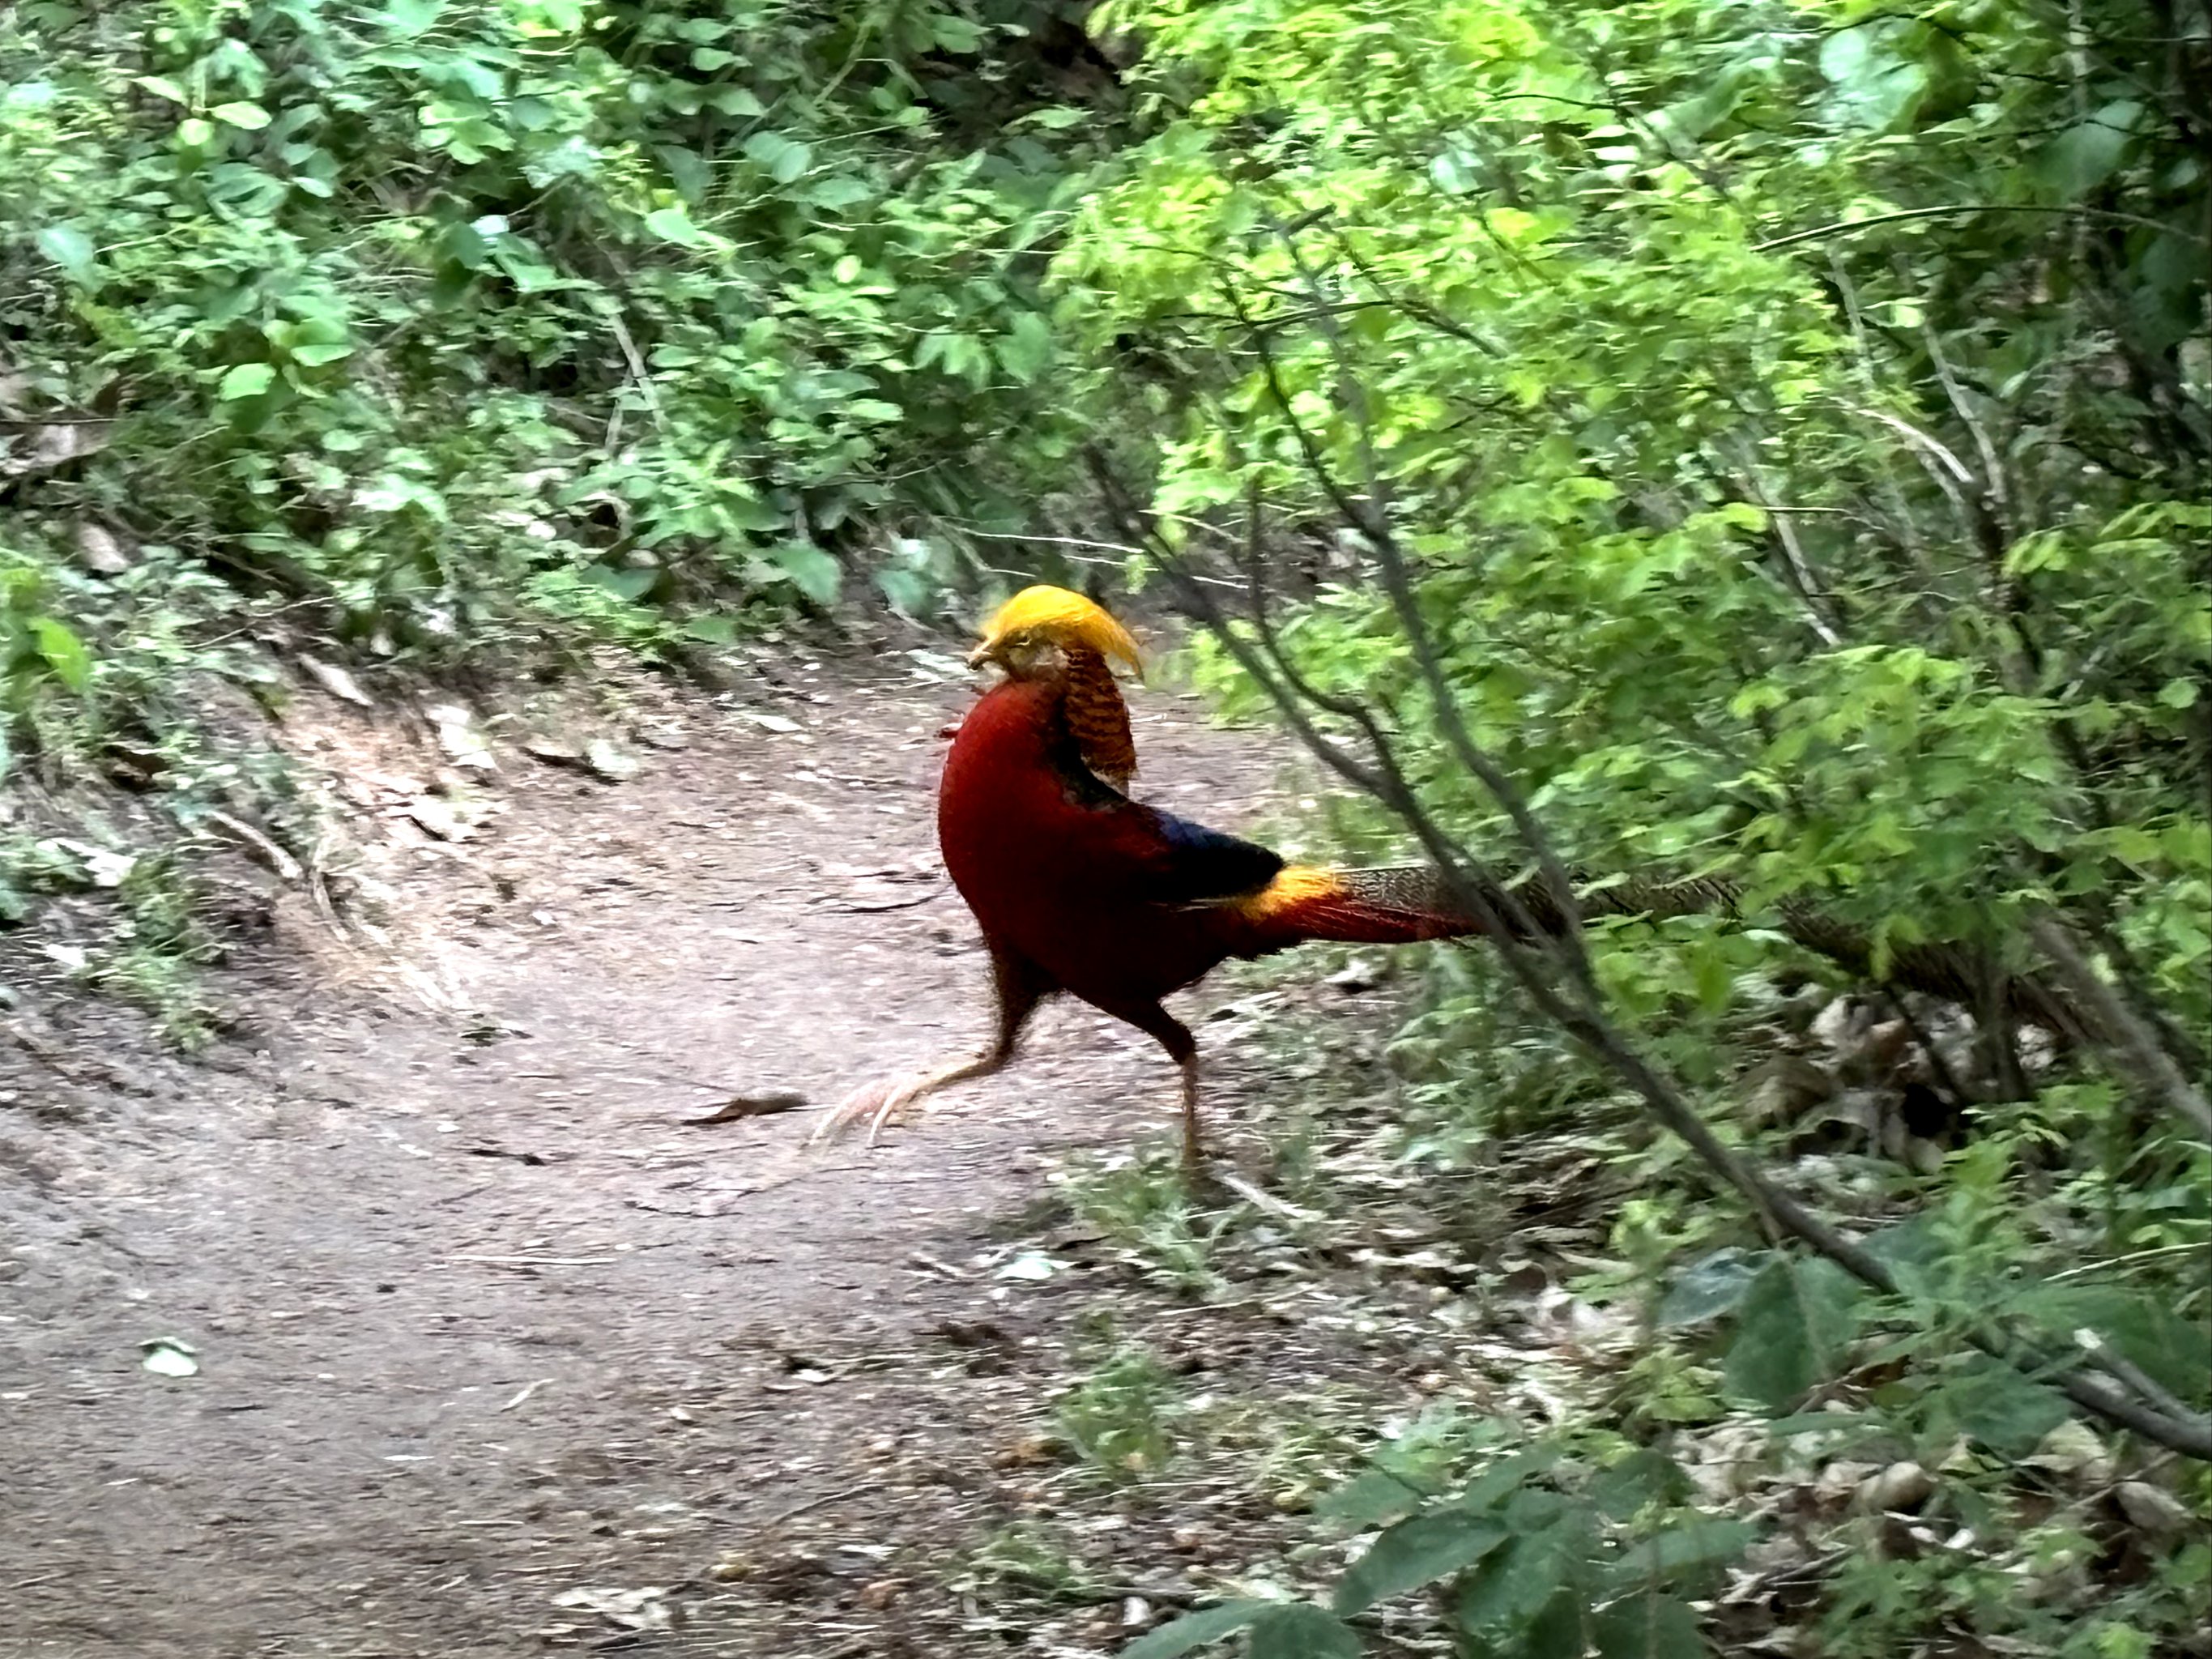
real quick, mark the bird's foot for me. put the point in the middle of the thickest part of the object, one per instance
(886, 1100)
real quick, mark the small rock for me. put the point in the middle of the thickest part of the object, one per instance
(1843, 1479)
(1355, 976)
(608, 762)
(2076, 1450)
(1900, 1486)
(98, 550)
(2152, 1508)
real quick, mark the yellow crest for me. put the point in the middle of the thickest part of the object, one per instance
(1065, 619)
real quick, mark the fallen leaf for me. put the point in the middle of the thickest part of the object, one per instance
(1030, 1265)
(167, 1355)
(457, 735)
(336, 681)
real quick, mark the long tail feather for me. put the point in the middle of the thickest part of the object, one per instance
(1400, 905)
(1393, 905)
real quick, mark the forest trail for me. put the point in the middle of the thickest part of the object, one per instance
(496, 1352)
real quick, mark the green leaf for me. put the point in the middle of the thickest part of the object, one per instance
(1298, 1629)
(1196, 1630)
(194, 132)
(673, 224)
(1557, 1631)
(1370, 1498)
(72, 250)
(1713, 975)
(1026, 348)
(1715, 1285)
(908, 592)
(246, 381)
(1503, 1478)
(1791, 1330)
(1649, 1627)
(2086, 154)
(65, 653)
(711, 630)
(1646, 1476)
(2179, 694)
(2007, 1413)
(1416, 1551)
(162, 86)
(1509, 1586)
(2174, 1351)
(812, 571)
(1693, 1547)
(250, 117)
(782, 158)
(625, 584)
(1874, 86)
(315, 354)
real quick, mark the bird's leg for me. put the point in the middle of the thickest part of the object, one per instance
(1020, 986)
(1172, 1035)
(1193, 1150)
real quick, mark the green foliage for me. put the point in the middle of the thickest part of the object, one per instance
(1144, 1206)
(482, 327)
(471, 337)
(1750, 551)
(1532, 1557)
(1795, 422)
(1120, 1416)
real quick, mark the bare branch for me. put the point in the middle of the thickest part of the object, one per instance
(2130, 1039)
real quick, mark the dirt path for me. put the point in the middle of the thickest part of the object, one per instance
(496, 1354)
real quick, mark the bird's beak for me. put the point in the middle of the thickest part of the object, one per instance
(985, 654)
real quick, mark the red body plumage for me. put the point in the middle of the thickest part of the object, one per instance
(1058, 879)
(1118, 903)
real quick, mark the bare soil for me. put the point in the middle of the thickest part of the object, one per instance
(497, 1354)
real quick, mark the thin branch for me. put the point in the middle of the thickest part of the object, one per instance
(1874, 221)
(2128, 1038)
(1372, 519)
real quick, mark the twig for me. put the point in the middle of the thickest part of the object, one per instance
(287, 867)
(526, 1261)
(2133, 1258)
(1260, 1198)
(862, 907)
(744, 1106)
(1874, 220)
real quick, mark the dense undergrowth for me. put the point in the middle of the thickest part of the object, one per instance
(1774, 436)
(1769, 444)
(433, 338)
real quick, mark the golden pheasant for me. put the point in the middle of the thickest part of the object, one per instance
(1079, 889)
